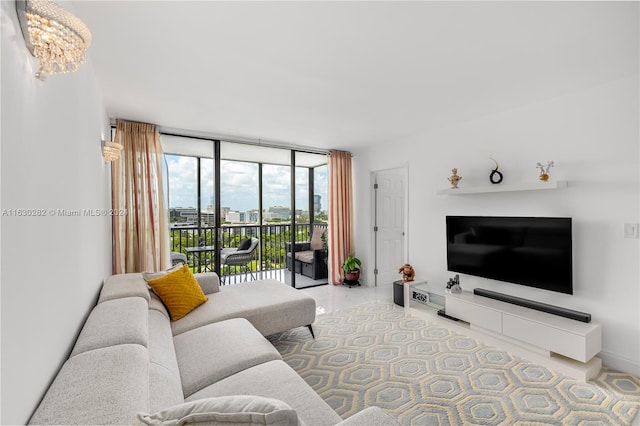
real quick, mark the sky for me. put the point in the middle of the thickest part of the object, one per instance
(239, 184)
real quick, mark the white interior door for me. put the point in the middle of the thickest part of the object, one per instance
(389, 223)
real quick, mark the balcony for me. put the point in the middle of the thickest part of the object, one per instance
(270, 258)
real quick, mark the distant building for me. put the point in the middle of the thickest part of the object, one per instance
(317, 205)
(236, 217)
(189, 216)
(243, 217)
(253, 216)
(224, 211)
(280, 212)
(183, 214)
(208, 217)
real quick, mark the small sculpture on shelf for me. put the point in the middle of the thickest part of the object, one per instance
(544, 170)
(407, 272)
(454, 178)
(453, 285)
(495, 177)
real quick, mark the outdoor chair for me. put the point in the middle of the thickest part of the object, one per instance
(177, 258)
(240, 257)
(310, 258)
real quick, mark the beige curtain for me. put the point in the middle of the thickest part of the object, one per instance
(141, 237)
(340, 212)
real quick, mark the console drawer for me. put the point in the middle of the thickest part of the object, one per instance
(550, 338)
(474, 314)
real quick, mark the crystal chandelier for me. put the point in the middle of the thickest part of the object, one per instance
(57, 38)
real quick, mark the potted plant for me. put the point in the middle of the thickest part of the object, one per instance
(325, 246)
(351, 268)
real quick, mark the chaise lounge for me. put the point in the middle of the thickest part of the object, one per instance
(131, 364)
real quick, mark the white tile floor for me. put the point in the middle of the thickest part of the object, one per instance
(331, 298)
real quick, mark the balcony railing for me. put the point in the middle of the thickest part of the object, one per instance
(270, 256)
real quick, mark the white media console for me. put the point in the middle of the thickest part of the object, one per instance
(572, 344)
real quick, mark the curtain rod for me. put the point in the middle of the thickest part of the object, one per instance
(234, 139)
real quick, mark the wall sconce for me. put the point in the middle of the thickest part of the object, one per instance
(56, 37)
(111, 150)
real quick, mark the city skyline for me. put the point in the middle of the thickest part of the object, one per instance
(239, 184)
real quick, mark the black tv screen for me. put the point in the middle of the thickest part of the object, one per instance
(531, 251)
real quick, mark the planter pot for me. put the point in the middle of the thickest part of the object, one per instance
(352, 275)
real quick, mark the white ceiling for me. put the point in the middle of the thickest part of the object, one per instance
(347, 74)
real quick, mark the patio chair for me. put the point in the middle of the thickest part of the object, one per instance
(240, 257)
(177, 257)
(310, 258)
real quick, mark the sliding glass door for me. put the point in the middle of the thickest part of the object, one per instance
(226, 197)
(310, 252)
(190, 165)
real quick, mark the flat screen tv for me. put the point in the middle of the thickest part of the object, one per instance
(531, 251)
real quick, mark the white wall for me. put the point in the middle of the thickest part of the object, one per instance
(52, 267)
(593, 137)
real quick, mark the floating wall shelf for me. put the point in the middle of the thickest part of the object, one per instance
(558, 184)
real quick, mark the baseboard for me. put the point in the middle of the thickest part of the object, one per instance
(616, 362)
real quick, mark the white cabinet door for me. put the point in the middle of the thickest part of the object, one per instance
(475, 314)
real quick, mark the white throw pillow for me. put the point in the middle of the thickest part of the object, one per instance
(153, 275)
(245, 410)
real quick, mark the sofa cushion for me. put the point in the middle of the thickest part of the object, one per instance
(316, 238)
(212, 352)
(269, 305)
(164, 377)
(155, 304)
(179, 291)
(245, 410)
(124, 285)
(209, 282)
(165, 388)
(103, 386)
(275, 379)
(117, 321)
(305, 256)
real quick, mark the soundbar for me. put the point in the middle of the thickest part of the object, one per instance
(538, 306)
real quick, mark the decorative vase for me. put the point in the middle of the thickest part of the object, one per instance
(454, 178)
(544, 170)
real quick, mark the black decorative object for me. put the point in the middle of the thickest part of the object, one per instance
(495, 177)
(453, 285)
(398, 292)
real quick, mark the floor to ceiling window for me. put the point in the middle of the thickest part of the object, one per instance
(251, 197)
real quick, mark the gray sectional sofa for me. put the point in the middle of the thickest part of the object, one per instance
(132, 365)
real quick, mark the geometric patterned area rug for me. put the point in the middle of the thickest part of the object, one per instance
(427, 374)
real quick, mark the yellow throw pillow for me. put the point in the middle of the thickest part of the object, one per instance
(179, 291)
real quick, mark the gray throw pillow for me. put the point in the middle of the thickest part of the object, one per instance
(245, 410)
(245, 244)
